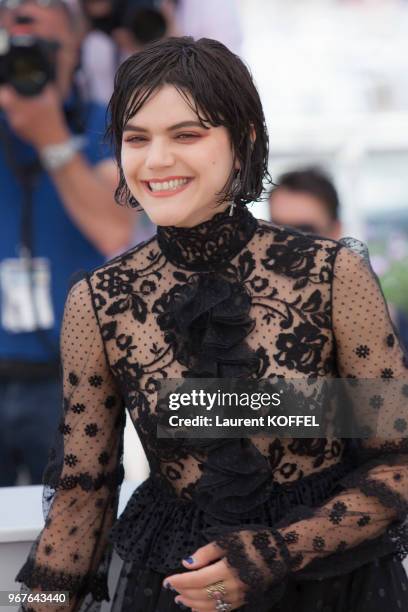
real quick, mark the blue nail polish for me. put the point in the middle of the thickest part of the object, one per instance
(167, 585)
(189, 560)
(181, 605)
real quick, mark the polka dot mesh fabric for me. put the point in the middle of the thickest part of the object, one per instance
(232, 297)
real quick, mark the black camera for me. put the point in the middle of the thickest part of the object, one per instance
(26, 62)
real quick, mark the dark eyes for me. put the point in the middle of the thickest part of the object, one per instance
(135, 139)
(187, 136)
(184, 136)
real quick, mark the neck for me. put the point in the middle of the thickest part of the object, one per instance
(210, 244)
(203, 216)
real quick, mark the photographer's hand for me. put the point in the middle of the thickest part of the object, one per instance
(39, 120)
(86, 191)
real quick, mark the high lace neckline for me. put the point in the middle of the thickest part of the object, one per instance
(208, 245)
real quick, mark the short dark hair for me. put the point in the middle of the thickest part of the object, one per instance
(314, 181)
(222, 93)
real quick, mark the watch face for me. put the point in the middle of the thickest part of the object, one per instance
(55, 156)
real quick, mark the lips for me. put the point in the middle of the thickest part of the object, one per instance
(167, 186)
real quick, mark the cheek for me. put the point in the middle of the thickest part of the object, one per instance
(130, 163)
(220, 168)
(216, 164)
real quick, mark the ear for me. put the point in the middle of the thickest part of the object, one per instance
(252, 134)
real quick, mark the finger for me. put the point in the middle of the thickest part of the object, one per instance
(205, 606)
(7, 97)
(199, 578)
(203, 556)
(232, 590)
(208, 606)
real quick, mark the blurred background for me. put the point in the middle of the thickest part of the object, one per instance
(333, 77)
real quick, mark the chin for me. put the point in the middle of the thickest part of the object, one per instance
(164, 216)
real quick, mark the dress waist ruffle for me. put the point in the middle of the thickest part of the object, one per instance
(157, 529)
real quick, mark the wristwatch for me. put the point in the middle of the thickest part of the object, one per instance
(54, 157)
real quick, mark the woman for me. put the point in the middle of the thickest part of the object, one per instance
(253, 524)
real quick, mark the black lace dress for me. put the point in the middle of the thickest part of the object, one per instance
(309, 524)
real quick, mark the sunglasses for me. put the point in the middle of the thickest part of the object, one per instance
(14, 4)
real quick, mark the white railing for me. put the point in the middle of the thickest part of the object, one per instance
(21, 521)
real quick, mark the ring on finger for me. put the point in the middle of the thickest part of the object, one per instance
(223, 606)
(215, 590)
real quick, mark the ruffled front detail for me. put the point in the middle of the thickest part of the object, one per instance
(157, 529)
(236, 482)
(207, 320)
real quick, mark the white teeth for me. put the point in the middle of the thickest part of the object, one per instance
(168, 185)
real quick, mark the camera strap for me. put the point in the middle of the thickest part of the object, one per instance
(33, 292)
(27, 175)
(25, 280)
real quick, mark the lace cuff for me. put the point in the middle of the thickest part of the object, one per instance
(366, 520)
(261, 560)
(37, 576)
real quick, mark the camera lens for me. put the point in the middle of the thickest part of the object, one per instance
(28, 74)
(29, 65)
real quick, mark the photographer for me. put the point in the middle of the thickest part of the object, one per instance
(57, 216)
(306, 199)
(118, 28)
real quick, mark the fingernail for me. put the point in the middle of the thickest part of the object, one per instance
(189, 560)
(168, 586)
(181, 605)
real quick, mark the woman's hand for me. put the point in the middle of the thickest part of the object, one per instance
(207, 566)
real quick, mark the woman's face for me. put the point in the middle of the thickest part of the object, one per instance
(173, 166)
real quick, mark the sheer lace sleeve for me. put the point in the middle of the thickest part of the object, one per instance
(84, 470)
(365, 519)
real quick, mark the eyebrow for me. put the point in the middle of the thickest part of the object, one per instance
(183, 124)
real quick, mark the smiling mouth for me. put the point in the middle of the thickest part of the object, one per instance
(170, 185)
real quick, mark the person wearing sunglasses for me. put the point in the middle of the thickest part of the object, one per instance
(306, 199)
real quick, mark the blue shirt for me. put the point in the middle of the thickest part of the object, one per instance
(55, 236)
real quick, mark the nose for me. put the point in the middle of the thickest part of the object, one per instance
(159, 155)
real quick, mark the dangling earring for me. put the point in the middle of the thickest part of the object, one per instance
(123, 195)
(236, 184)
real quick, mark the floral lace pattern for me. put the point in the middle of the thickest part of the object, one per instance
(209, 245)
(232, 297)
